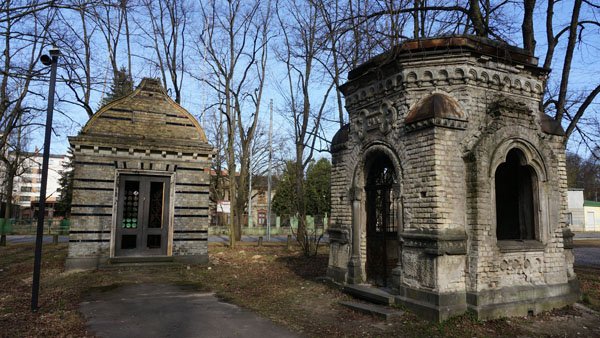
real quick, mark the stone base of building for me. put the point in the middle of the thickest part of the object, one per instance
(490, 304)
(430, 305)
(192, 259)
(85, 263)
(92, 263)
(337, 274)
(522, 300)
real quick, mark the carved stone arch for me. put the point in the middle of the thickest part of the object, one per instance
(458, 76)
(390, 84)
(527, 87)
(496, 80)
(473, 75)
(506, 81)
(372, 92)
(517, 85)
(427, 77)
(367, 150)
(359, 267)
(533, 157)
(399, 79)
(411, 77)
(443, 75)
(485, 78)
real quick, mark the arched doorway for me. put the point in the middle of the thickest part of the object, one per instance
(516, 202)
(382, 233)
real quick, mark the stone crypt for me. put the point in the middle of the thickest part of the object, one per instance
(449, 183)
(141, 183)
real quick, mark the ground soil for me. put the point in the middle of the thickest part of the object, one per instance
(276, 283)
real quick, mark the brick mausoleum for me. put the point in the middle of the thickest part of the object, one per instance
(141, 183)
(449, 183)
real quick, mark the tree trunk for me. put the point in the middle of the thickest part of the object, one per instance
(566, 71)
(477, 18)
(8, 192)
(527, 27)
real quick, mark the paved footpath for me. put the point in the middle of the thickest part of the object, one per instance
(161, 310)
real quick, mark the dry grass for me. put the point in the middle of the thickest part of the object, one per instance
(275, 283)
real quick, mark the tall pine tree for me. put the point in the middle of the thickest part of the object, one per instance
(121, 86)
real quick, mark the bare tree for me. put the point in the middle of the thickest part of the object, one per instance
(305, 106)
(25, 32)
(234, 41)
(109, 18)
(13, 160)
(24, 29)
(74, 33)
(164, 33)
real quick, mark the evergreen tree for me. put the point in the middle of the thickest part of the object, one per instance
(121, 86)
(63, 206)
(318, 189)
(318, 193)
(284, 200)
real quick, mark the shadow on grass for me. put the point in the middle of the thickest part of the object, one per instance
(308, 268)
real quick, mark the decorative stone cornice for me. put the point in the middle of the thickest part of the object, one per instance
(360, 94)
(437, 122)
(436, 243)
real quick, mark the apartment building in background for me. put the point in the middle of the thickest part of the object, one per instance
(26, 189)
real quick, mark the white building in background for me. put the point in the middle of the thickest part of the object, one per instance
(27, 186)
(575, 215)
(582, 215)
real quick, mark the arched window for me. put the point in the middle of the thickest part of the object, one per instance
(380, 210)
(516, 191)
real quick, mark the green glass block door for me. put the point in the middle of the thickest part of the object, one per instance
(142, 218)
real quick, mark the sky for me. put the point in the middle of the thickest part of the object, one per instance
(585, 70)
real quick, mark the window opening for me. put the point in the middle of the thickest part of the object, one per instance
(380, 196)
(515, 191)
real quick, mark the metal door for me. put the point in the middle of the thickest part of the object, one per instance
(382, 237)
(142, 216)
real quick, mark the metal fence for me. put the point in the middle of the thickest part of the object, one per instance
(55, 226)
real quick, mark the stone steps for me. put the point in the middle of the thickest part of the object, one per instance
(370, 294)
(139, 261)
(380, 311)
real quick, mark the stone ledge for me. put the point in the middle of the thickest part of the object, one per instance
(430, 305)
(522, 300)
(192, 259)
(85, 263)
(520, 246)
(436, 243)
(338, 235)
(337, 274)
(383, 312)
(369, 293)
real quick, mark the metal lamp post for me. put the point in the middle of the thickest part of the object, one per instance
(51, 61)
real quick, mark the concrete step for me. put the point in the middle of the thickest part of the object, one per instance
(370, 294)
(380, 311)
(135, 261)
